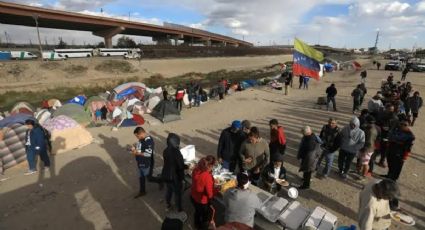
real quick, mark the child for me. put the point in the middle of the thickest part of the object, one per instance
(363, 164)
(274, 175)
(98, 114)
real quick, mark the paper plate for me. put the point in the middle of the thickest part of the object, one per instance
(396, 217)
(293, 193)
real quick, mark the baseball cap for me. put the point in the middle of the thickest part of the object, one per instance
(236, 124)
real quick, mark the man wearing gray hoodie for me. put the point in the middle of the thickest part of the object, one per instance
(352, 140)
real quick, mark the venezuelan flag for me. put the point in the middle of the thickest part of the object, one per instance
(306, 60)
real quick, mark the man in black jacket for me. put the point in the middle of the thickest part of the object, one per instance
(330, 94)
(173, 171)
(228, 146)
(330, 137)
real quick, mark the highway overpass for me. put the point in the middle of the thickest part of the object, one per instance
(16, 14)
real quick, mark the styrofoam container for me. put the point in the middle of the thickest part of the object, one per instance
(294, 216)
(315, 217)
(272, 208)
(188, 153)
(329, 222)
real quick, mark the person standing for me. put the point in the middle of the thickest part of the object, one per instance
(143, 152)
(364, 92)
(374, 204)
(387, 121)
(363, 76)
(277, 138)
(400, 144)
(365, 154)
(227, 151)
(352, 140)
(255, 154)
(415, 104)
(288, 81)
(330, 96)
(240, 203)
(301, 80)
(173, 171)
(202, 191)
(375, 105)
(179, 97)
(35, 144)
(330, 137)
(378, 65)
(221, 90)
(357, 95)
(404, 73)
(308, 154)
(306, 79)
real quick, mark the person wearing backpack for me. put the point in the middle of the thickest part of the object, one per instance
(35, 144)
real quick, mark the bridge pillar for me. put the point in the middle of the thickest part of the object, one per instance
(176, 38)
(108, 34)
(162, 40)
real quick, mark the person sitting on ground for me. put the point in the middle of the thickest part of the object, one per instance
(415, 104)
(331, 140)
(277, 138)
(374, 206)
(240, 203)
(228, 146)
(274, 175)
(308, 153)
(202, 192)
(255, 154)
(35, 144)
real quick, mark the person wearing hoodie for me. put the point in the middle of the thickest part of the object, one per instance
(202, 191)
(330, 137)
(173, 171)
(400, 142)
(308, 153)
(277, 138)
(228, 146)
(330, 95)
(240, 203)
(352, 140)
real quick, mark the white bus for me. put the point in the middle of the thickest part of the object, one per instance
(107, 52)
(71, 53)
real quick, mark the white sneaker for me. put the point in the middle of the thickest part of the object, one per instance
(30, 172)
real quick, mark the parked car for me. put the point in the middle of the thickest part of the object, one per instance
(417, 67)
(392, 65)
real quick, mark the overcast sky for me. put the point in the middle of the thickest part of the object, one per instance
(337, 23)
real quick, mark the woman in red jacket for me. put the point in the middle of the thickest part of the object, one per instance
(202, 191)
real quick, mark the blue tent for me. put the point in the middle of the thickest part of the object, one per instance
(80, 100)
(126, 92)
(19, 118)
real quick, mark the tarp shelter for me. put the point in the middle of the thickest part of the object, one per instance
(12, 146)
(43, 115)
(166, 111)
(66, 134)
(74, 111)
(22, 107)
(128, 90)
(152, 102)
(248, 83)
(94, 103)
(79, 100)
(19, 118)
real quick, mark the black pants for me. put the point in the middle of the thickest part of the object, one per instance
(179, 104)
(221, 96)
(306, 179)
(202, 216)
(44, 156)
(395, 164)
(331, 99)
(344, 161)
(383, 152)
(176, 188)
(356, 104)
(277, 148)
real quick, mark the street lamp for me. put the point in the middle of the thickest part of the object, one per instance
(35, 16)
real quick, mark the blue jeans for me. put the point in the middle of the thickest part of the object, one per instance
(31, 158)
(329, 159)
(143, 173)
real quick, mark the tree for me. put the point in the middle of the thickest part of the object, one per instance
(100, 45)
(126, 42)
(61, 44)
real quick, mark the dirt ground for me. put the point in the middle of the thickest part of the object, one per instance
(33, 75)
(93, 187)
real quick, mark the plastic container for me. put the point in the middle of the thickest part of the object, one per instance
(188, 153)
(294, 216)
(272, 208)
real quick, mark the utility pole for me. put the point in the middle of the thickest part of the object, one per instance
(376, 41)
(35, 16)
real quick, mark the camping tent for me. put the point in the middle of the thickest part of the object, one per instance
(66, 134)
(43, 115)
(152, 102)
(74, 111)
(94, 103)
(12, 146)
(19, 118)
(79, 100)
(128, 90)
(166, 111)
(22, 107)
